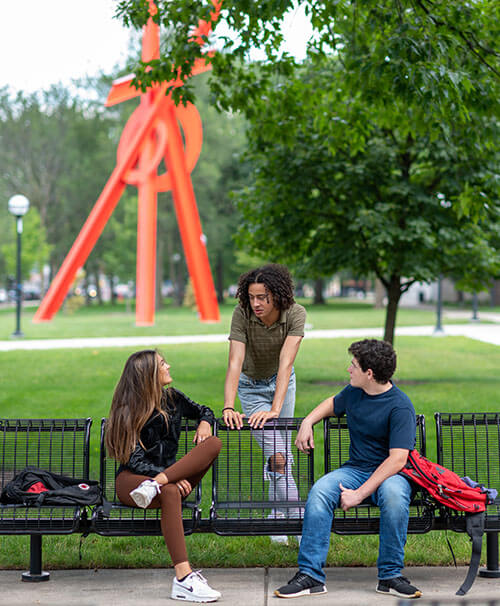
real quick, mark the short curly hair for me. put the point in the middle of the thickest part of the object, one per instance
(377, 355)
(276, 279)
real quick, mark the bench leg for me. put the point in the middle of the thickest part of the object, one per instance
(492, 571)
(35, 574)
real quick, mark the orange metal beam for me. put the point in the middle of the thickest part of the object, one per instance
(141, 148)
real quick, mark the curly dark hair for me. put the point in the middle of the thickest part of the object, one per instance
(276, 279)
(377, 355)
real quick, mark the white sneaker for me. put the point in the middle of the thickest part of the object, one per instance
(145, 493)
(194, 588)
(281, 539)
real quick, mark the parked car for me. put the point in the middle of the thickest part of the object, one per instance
(31, 293)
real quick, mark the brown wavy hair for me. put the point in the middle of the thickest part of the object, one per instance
(276, 279)
(137, 395)
(377, 355)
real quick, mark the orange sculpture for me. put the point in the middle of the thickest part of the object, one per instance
(152, 133)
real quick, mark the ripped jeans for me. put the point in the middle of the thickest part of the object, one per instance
(256, 395)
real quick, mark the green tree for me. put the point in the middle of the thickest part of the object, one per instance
(58, 151)
(406, 46)
(323, 201)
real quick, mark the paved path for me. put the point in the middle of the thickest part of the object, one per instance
(490, 333)
(240, 587)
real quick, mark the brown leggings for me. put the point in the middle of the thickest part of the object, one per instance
(191, 467)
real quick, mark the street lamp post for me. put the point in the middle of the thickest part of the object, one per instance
(438, 330)
(18, 206)
(475, 317)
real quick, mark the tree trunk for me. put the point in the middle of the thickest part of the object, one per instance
(86, 287)
(318, 291)
(111, 280)
(393, 296)
(179, 282)
(379, 294)
(98, 287)
(219, 277)
(159, 274)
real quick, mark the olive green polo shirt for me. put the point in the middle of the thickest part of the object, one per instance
(263, 344)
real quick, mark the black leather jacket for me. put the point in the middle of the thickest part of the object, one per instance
(160, 442)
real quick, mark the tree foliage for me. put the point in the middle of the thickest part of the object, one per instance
(387, 206)
(408, 46)
(55, 149)
(439, 58)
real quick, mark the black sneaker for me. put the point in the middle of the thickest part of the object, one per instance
(301, 584)
(400, 586)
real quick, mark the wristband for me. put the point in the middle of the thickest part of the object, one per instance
(228, 408)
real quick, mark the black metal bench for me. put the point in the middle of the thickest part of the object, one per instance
(365, 519)
(241, 503)
(133, 521)
(57, 445)
(469, 445)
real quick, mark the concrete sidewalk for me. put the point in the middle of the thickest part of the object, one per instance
(489, 333)
(242, 587)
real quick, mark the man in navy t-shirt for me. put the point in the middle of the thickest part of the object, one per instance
(382, 424)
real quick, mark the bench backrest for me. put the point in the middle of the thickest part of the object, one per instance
(109, 466)
(337, 440)
(240, 480)
(57, 445)
(469, 445)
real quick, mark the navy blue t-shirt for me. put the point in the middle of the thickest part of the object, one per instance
(376, 424)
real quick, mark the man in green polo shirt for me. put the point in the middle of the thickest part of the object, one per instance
(266, 330)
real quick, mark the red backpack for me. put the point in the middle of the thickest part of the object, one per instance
(449, 489)
(445, 485)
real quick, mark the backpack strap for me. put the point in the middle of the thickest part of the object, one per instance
(475, 529)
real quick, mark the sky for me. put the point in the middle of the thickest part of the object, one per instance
(59, 40)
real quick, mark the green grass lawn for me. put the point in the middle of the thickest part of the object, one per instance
(439, 374)
(111, 321)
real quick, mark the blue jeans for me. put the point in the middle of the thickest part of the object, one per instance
(256, 395)
(392, 496)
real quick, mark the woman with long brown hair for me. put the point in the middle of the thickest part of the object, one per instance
(142, 433)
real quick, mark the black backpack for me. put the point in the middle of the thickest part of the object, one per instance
(36, 487)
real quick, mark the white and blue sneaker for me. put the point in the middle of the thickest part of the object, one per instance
(194, 588)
